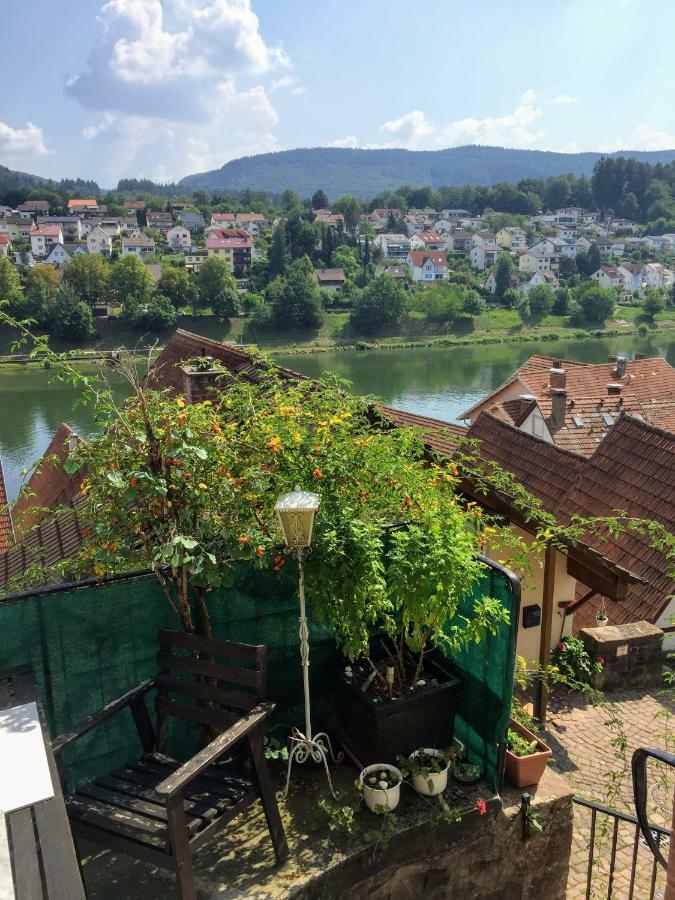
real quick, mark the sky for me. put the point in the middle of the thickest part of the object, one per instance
(107, 89)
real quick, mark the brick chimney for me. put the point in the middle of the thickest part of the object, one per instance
(557, 378)
(558, 405)
(621, 367)
(639, 356)
(199, 382)
(614, 389)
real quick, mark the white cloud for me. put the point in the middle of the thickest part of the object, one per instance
(290, 82)
(565, 100)
(18, 145)
(349, 141)
(415, 131)
(642, 137)
(411, 130)
(165, 77)
(165, 151)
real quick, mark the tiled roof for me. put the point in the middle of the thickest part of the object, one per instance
(77, 203)
(229, 239)
(46, 231)
(441, 437)
(138, 242)
(542, 468)
(4, 238)
(222, 217)
(330, 274)
(632, 470)
(50, 485)
(184, 345)
(6, 534)
(647, 390)
(430, 237)
(437, 257)
(47, 544)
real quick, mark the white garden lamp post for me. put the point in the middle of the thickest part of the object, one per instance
(296, 513)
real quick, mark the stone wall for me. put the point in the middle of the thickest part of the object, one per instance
(480, 856)
(632, 655)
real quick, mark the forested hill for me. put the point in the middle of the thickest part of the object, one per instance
(14, 186)
(365, 173)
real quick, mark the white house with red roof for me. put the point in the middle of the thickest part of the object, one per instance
(43, 238)
(235, 246)
(609, 277)
(432, 240)
(428, 265)
(5, 241)
(222, 219)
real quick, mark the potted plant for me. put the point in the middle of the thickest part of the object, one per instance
(429, 770)
(601, 618)
(526, 756)
(381, 784)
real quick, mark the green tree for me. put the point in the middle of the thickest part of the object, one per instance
(159, 314)
(473, 304)
(279, 256)
(503, 274)
(511, 298)
(89, 277)
(177, 285)
(562, 302)
(217, 287)
(537, 305)
(653, 302)
(69, 317)
(42, 282)
(319, 200)
(298, 303)
(350, 208)
(381, 304)
(10, 283)
(345, 257)
(594, 304)
(130, 285)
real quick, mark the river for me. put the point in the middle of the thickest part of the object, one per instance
(436, 381)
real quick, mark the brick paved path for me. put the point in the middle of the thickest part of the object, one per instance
(584, 752)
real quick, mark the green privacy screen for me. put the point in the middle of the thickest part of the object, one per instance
(88, 645)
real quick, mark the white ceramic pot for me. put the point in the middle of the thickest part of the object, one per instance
(377, 796)
(601, 623)
(435, 782)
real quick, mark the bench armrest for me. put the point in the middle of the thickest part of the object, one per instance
(189, 770)
(111, 709)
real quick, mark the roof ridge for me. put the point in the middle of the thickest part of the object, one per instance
(533, 437)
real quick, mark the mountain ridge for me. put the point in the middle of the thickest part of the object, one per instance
(366, 173)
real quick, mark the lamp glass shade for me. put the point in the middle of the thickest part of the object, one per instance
(296, 513)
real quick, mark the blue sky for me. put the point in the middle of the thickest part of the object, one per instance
(164, 88)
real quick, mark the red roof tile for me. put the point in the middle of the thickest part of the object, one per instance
(6, 534)
(437, 257)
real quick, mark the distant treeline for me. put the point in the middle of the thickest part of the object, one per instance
(621, 186)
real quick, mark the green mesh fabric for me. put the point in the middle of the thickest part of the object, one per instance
(89, 645)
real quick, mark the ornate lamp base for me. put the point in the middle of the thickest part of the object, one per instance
(317, 749)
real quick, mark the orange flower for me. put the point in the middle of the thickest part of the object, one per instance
(278, 563)
(454, 469)
(260, 551)
(407, 503)
(317, 473)
(274, 445)
(244, 538)
(133, 482)
(215, 428)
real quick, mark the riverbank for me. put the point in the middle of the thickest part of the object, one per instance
(495, 326)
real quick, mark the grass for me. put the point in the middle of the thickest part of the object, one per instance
(495, 325)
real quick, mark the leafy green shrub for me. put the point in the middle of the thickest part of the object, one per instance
(518, 745)
(573, 662)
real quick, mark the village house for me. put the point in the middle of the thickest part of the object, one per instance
(483, 237)
(222, 219)
(428, 265)
(235, 246)
(159, 221)
(400, 273)
(484, 255)
(194, 259)
(609, 277)
(71, 226)
(127, 225)
(179, 237)
(380, 217)
(33, 208)
(458, 241)
(632, 276)
(78, 205)
(429, 239)
(58, 256)
(5, 242)
(99, 242)
(330, 278)
(328, 219)
(546, 278)
(531, 262)
(134, 206)
(656, 275)
(490, 284)
(566, 232)
(610, 248)
(74, 249)
(43, 238)
(415, 223)
(192, 220)
(254, 223)
(511, 238)
(17, 228)
(395, 246)
(139, 246)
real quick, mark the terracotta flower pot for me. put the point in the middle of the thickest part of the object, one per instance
(524, 771)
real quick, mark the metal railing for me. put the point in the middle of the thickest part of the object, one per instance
(600, 878)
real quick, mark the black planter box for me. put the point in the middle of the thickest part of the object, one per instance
(379, 732)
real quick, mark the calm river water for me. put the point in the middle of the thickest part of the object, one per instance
(439, 382)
